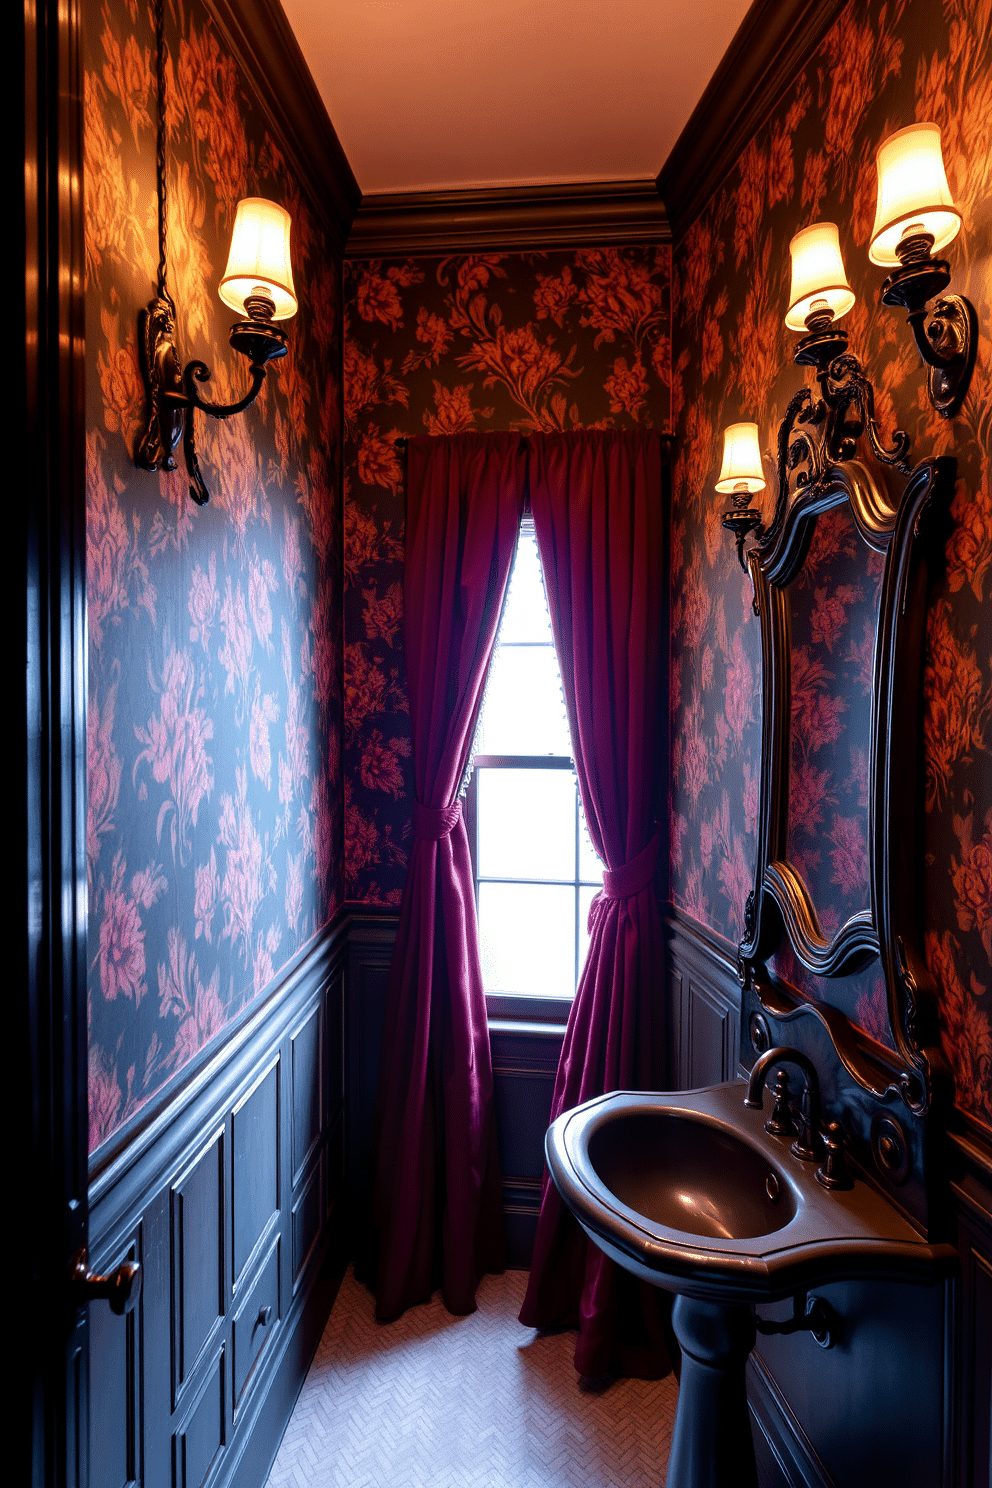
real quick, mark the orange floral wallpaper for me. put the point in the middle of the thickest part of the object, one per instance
(214, 824)
(539, 341)
(884, 64)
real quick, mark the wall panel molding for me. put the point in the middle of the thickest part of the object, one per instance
(509, 218)
(773, 43)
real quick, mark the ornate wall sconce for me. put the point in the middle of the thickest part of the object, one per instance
(915, 218)
(257, 283)
(741, 476)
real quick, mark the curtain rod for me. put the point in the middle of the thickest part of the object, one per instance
(668, 441)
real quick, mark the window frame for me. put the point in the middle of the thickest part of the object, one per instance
(505, 1003)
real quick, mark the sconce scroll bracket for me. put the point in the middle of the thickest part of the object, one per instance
(945, 331)
(162, 370)
(173, 394)
(948, 343)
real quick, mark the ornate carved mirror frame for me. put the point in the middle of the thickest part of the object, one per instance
(780, 909)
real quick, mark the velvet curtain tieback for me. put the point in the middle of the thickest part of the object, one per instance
(629, 879)
(431, 823)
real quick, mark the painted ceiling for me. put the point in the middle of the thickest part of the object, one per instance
(454, 94)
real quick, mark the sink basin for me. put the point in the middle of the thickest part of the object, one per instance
(690, 1175)
(688, 1191)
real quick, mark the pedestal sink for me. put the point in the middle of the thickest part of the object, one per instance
(688, 1191)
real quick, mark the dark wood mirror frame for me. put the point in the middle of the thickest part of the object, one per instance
(780, 910)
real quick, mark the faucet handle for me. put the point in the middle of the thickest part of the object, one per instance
(833, 1171)
(780, 1122)
(807, 1143)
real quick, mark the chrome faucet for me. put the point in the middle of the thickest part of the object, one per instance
(807, 1141)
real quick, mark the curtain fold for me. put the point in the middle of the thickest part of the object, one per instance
(596, 499)
(436, 1209)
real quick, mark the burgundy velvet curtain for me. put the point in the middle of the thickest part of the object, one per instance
(596, 498)
(436, 1212)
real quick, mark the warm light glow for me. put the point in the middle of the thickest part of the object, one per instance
(259, 257)
(741, 469)
(913, 193)
(818, 278)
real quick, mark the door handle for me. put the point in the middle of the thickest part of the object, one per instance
(122, 1287)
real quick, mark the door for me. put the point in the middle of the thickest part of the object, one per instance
(43, 804)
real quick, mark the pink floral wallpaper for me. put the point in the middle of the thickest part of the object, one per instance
(214, 827)
(884, 64)
(540, 341)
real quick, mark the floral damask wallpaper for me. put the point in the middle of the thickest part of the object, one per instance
(540, 341)
(884, 64)
(214, 824)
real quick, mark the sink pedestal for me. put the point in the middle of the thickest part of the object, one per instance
(711, 1443)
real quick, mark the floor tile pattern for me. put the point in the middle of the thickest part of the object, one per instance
(433, 1401)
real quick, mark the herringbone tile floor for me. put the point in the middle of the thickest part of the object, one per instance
(433, 1401)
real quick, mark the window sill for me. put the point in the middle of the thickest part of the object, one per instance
(514, 1007)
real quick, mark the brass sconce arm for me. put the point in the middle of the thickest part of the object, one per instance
(945, 327)
(173, 395)
(199, 372)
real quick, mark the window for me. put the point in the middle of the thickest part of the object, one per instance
(535, 870)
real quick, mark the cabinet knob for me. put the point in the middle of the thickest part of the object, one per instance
(264, 1313)
(121, 1287)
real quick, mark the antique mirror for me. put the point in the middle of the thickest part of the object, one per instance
(832, 955)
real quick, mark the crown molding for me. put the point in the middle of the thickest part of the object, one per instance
(584, 214)
(263, 42)
(773, 43)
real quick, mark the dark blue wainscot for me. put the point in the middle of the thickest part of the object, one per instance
(229, 1193)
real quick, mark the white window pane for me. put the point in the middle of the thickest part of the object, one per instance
(525, 615)
(526, 824)
(524, 711)
(590, 868)
(526, 935)
(586, 896)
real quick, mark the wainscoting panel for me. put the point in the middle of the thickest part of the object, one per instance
(197, 1205)
(371, 937)
(704, 1005)
(223, 1196)
(307, 1092)
(254, 1169)
(525, 1061)
(199, 1439)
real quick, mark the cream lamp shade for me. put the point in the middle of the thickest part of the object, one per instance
(741, 470)
(259, 258)
(818, 278)
(913, 194)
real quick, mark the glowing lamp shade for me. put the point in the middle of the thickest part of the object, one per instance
(818, 278)
(259, 257)
(913, 194)
(741, 470)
